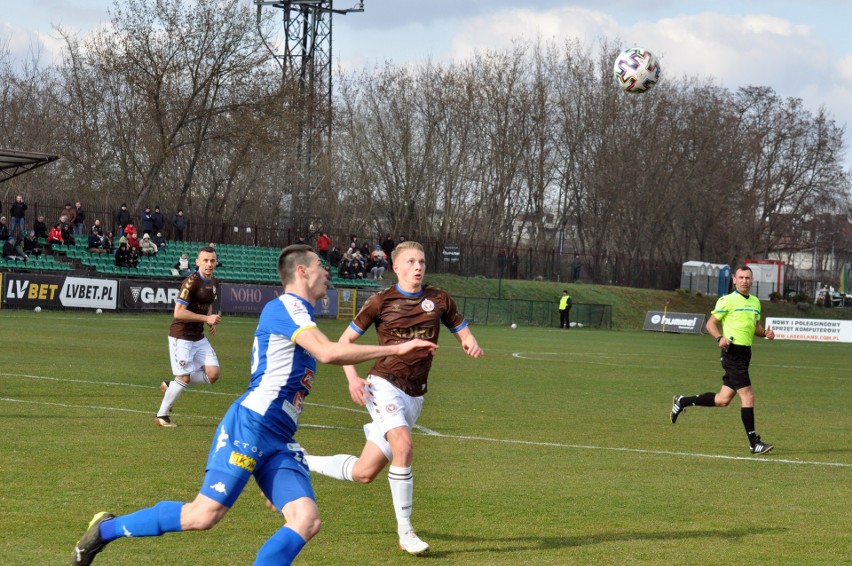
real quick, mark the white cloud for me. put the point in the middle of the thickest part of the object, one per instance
(497, 30)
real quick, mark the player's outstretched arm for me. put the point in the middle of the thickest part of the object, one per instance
(341, 353)
(469, 343)
(357, 385)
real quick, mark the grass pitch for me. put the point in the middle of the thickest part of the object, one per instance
(555, 448)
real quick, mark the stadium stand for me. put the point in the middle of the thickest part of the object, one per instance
(240, 264)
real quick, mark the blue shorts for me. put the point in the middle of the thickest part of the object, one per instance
(243, 446)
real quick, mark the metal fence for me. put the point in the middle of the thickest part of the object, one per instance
(498, 312)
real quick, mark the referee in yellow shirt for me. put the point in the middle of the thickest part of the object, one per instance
(739, 315)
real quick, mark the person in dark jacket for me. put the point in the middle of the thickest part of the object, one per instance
(147, 221)
(158, 220)
(178, 226)
(122, 218)
(40, 227)
(18, 214)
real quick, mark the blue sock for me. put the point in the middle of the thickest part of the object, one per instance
(280, 549)
(164, 517)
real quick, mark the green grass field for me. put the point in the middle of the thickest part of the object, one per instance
(556, 448)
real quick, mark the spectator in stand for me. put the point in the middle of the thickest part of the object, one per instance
(31, 245)
(159, 241)
(70, 213)
(97, 227)
(147, 221)
(79, 219)
(357, 266)
(4, 229)
(124, 257)
(365, 251)
(133, 242)
(122, 219)
(67, 229)
(344, 272)
(40, 227)
(388, 245)
(109, 242)
(334, 257)
(55, 236)
(96, 243)
(323, 245)
(158, 220)
(130, 229)
(182, 266)
(350, 252)
(147, 247)
(19, 248)
(18, 213)
(379, 263)
(178, 226)
(9, 251)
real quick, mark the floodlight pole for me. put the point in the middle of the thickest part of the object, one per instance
(306, 64)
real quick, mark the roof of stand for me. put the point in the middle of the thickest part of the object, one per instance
(14, 163)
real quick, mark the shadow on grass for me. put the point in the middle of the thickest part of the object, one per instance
(527, 543)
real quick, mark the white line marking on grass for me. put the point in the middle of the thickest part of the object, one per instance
(113, 383)
(139, 412)
(552, 356)
(422, 429)
(643, 451)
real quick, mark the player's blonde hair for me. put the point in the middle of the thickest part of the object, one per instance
(402, 246)
(291, 257)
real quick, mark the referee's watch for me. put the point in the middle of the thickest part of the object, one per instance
(719, 338)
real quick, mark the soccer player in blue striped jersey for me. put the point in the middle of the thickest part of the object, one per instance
(255, 437)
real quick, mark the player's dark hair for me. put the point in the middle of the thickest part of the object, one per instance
(289, 258)
(743, 267)
(207, 249)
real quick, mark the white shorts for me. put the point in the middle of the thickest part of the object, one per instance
(390, 408)
(188, 356)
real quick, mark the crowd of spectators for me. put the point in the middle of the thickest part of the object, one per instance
(71, 223)
(359, 261)
(130, 241)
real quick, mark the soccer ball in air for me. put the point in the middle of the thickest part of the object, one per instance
(37, 309)
(99, 311)
(514, 325)
(636, 70)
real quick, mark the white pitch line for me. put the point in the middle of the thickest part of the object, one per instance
(430, 432)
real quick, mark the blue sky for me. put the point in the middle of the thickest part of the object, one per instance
(799, 48)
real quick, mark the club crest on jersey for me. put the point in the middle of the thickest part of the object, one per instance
(427, 305)
(391, 408)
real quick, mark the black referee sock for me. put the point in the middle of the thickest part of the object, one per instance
(747, 414)
(704, 400)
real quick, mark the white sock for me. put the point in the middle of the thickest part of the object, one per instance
(176, 387)
(197, 377)
(402, 492)
(338, 466)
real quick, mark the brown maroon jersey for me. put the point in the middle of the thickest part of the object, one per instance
(399, 317)
(197, 293)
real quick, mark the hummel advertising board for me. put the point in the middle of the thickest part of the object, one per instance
(679, 322)
(29, 290)
(810, 329)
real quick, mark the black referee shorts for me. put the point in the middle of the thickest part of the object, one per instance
(735, 362)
